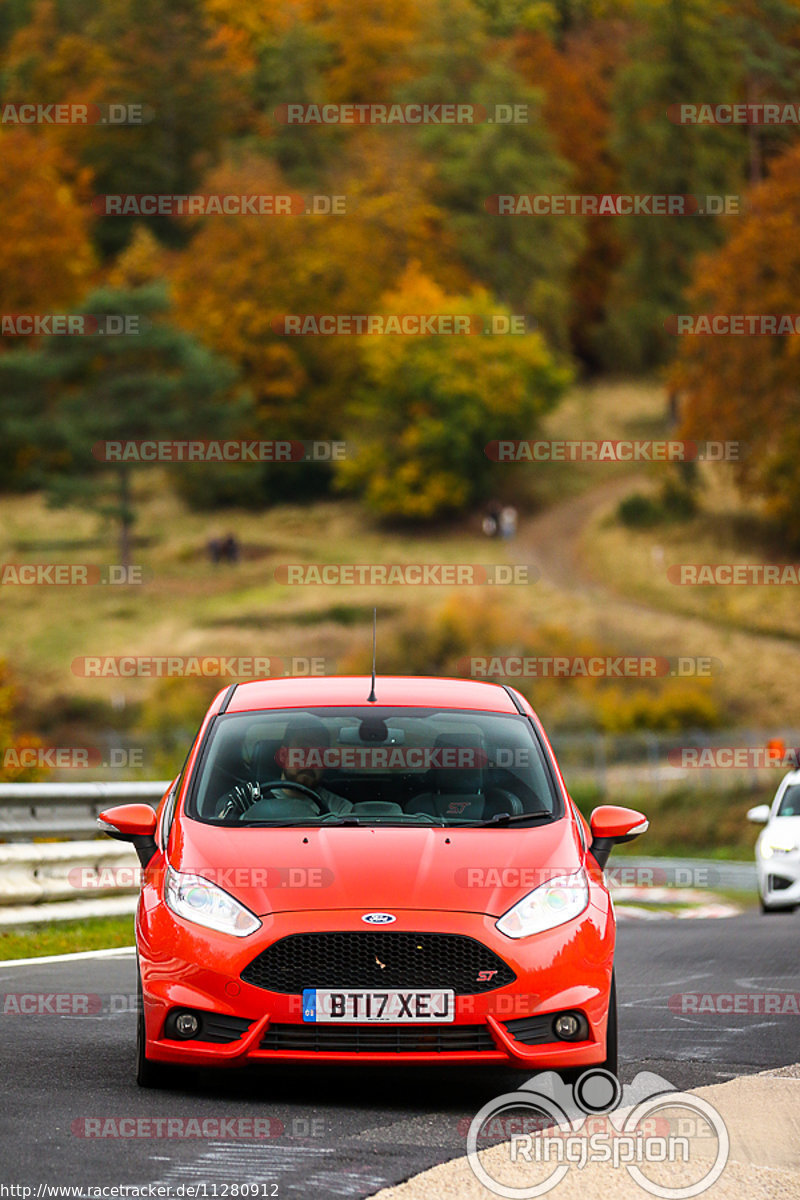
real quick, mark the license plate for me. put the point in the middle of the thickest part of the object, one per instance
(349, 1006)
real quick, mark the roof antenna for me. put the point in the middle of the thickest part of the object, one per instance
(372, 698)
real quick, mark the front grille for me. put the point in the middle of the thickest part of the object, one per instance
(378, 958)
(366, 1039)
(533, 1031)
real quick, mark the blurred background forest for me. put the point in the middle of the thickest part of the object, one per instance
(597, 77)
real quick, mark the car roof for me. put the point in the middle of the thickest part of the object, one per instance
(405, 691)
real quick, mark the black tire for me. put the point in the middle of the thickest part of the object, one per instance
(612, 1041)
(571, 1075)
(783, 908)
(149, 1074)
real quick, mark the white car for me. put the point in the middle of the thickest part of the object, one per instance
(778, 847)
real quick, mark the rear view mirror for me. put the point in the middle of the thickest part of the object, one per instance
(134, 823)
(758, 815)
(611, 825)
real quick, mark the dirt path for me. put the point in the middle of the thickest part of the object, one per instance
(753, 665)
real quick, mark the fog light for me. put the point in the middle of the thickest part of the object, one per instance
(186, 1025)
(570, 1027)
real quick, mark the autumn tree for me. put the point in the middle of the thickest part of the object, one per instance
(62, 399)
(575, 76)
(524, 260)
(685, 54)
(768, 35)
(245, 273)
(429, 404)
(161, 54)
(45, 252)
(747, 388)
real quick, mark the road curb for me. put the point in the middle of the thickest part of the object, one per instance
(761, 1113)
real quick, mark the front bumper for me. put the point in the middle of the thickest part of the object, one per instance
(779, 878)
(568, 968)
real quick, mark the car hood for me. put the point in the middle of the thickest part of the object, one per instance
(455, 870)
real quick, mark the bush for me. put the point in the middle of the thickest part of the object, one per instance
(639, 511)
(677, 705)
(676, 502)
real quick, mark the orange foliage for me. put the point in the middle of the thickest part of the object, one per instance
(745, 388)
(576, 80)
(46, 257)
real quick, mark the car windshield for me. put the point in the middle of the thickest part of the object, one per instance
(369, 765)
(790, 803)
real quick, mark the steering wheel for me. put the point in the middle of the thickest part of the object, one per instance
(281, 784)
(240, 800)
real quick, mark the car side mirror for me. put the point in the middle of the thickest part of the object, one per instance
(134, 823)
(611, 825)
(758, 815)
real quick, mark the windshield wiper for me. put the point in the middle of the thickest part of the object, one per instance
(507, 818)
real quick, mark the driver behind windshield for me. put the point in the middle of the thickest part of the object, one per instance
(300, 755)
(287, 782)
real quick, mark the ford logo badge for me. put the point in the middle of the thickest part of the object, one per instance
(378, 918)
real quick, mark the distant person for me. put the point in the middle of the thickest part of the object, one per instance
(491, 521)
(230, 549)
(223, 549)
(673, 408)
(508, 522)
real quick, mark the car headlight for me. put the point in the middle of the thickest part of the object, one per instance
(195, 899)
(548, 905)
(767, 849)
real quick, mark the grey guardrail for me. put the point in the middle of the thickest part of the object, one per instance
(38, 872)
(66, 810)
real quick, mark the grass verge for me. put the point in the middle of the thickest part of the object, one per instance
(69, 937)
(687, 823)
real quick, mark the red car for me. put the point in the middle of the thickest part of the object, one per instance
(392, 876)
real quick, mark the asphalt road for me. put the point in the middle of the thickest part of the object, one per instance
(348, 1132)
